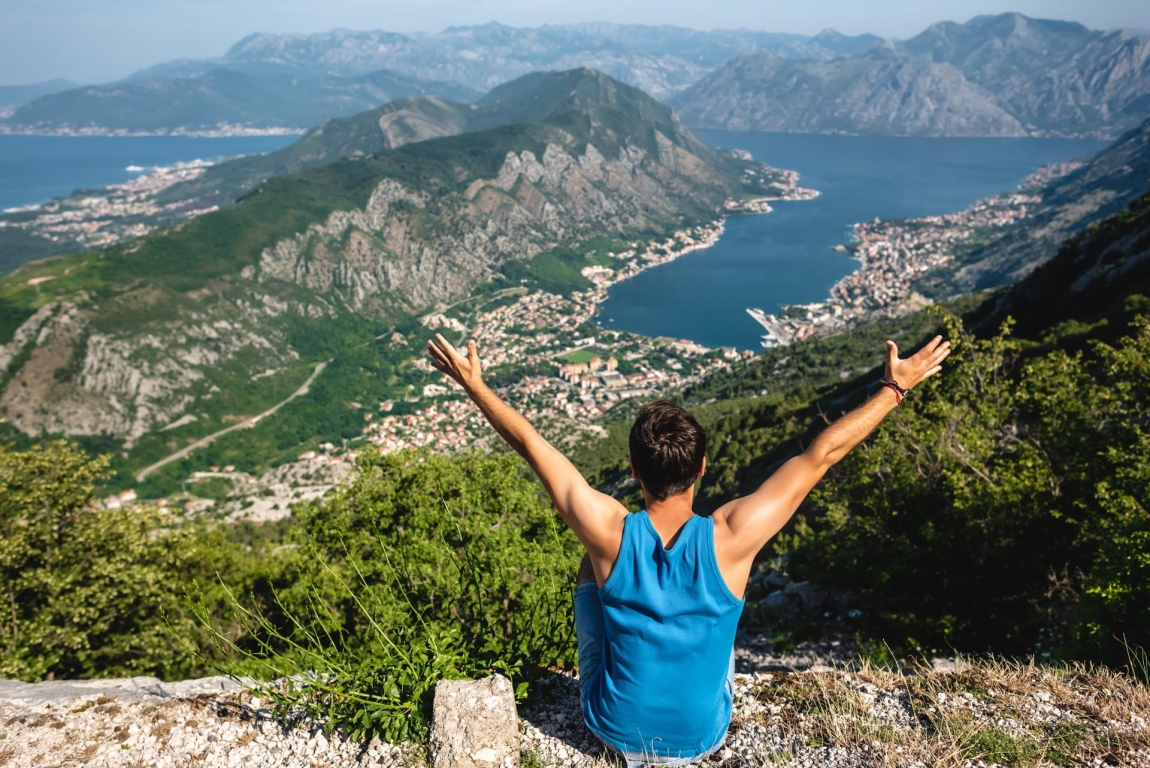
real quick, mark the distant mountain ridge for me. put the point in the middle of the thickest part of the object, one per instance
(294, 81)
(879, 92)
(12, 96)
(219, 99)
(657, 59)
(1005, 75)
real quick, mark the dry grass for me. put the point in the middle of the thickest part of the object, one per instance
(100, 701)
(993, 711)
(161, 729)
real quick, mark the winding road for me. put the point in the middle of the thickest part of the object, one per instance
(303, 390)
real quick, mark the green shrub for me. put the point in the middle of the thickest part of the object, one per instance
(92, 592)
(84, 589)
(423, 568)
(1003, 507)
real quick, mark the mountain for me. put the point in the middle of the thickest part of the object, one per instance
(829, 44)
(287, 81)
(880, 92)
(1054, 76)
(396, 123)
(219, 315)
(399, 122)
(12, 96)
(658, 59)
(219, 99)
(1103, 187)
(1005, 75)
(1089, 279)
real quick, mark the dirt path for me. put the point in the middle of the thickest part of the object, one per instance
(303, 390)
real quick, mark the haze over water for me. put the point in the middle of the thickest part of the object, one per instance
(786, 257)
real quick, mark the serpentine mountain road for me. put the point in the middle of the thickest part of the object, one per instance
(303, 390)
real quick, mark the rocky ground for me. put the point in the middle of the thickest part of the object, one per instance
(829, 715)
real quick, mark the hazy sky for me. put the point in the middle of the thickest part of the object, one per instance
(100, 40)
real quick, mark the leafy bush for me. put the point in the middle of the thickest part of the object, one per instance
(91, 592)
(1004, 507)
(84, 590)
(423, 568)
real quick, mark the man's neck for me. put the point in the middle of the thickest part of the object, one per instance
(670, 515)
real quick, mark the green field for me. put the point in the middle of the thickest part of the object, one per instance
(584, 355)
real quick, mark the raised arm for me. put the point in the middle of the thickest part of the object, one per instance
(745, 525)
(596, 518)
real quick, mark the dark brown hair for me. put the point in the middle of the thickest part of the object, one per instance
(667, 449)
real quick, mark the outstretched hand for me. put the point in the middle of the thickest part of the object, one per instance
(465, 370)
(919, 366)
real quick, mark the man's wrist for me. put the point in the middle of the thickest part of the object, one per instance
(474, 388)
(893, 389)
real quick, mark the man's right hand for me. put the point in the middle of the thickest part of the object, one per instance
(466, 371)
(919, 366)
(596, 518)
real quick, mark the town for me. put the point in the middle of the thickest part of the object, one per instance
(577, 373)
(120, 212)
(894, 254)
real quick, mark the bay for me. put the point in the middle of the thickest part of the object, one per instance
(35, 169)
(786, 257)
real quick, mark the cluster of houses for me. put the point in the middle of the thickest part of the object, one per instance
(593, 373)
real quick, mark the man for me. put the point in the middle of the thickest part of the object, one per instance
(661, 590)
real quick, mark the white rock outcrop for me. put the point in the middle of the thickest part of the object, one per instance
(475, 724)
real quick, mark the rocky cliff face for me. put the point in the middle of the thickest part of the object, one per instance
(78, 380)
(368, 256)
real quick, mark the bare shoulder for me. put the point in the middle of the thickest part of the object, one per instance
(597, 519)
(721, 518)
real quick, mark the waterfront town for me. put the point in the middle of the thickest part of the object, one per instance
(568, 374)
(894, 254)
(119, 212)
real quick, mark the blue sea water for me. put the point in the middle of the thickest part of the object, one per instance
(786, 257)
(35, 169)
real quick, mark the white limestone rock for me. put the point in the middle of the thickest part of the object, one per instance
(475, 724)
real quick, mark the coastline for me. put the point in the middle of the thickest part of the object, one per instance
(219, 132)
(92, 221)
(892, 254)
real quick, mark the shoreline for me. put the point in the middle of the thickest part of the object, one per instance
(231, 132)
(711, 233)
(893, 253)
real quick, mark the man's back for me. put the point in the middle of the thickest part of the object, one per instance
(671, 613)
(656, 644)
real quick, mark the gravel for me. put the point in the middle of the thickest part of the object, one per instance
(214, 722)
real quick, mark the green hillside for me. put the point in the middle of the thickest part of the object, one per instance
(225, 315)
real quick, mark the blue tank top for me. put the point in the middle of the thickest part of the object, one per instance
(669, 625)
